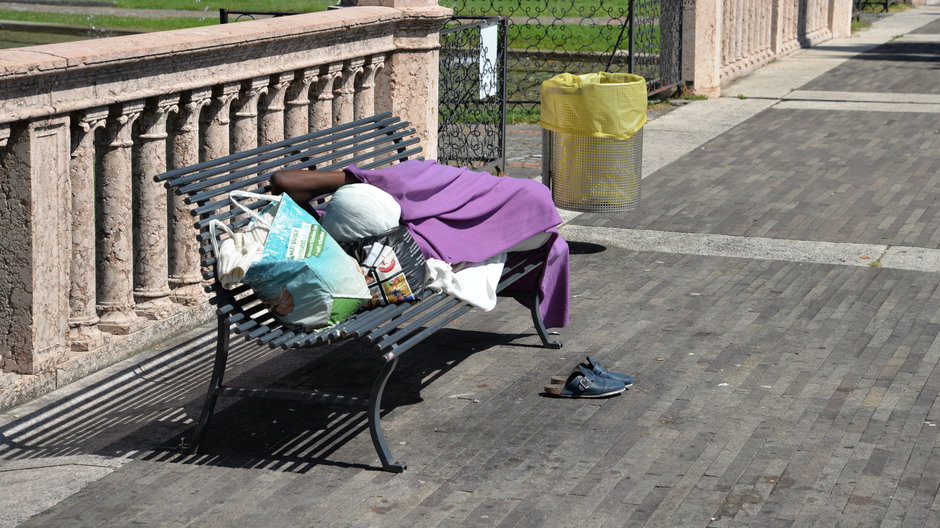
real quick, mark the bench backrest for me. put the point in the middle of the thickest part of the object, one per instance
(370, 143)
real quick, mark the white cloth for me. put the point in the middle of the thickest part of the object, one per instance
(359, 210)
(475, 283)
(472, 282)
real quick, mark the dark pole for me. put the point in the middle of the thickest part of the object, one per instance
(632, 51)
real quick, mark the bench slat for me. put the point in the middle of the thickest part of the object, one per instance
(397, 349)
(176, 177)
(310, 155)
(274, 151)
(411, 324)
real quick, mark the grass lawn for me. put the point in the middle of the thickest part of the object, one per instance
(556, 8)
(101, 21)
(210, 8)
(238, 5)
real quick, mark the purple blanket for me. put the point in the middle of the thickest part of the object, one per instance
(457, 215)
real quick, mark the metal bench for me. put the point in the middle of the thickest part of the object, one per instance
(389, 331)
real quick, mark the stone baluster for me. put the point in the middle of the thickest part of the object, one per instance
(83, 318)
(4, 135)
(245, 114)
(365, 87)
(184, 276)
(272, 109)
(151, 270)
(216, 119)
(764, 18)
(321, 98)
(297, 117)
(343, 91)
(115, 233)
(751, 31)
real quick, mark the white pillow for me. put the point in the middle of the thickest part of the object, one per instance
(359, 210)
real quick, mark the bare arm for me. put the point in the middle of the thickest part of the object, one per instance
(304, 185)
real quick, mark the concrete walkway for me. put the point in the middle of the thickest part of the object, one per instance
(775, 295)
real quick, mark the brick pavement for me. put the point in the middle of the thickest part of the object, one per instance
(769, 392)
(895, 67)
(802, 174)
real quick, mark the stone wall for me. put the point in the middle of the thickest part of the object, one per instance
(724, 39)
(97, 259)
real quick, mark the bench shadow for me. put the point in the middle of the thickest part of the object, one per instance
(146, 411)
(295, 437)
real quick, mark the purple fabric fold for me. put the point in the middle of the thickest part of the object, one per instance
(458, 215)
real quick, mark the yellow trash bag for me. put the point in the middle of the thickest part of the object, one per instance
(600, 105)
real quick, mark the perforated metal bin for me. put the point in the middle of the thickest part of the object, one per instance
(594, 175)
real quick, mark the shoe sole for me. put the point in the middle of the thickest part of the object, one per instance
(562, 379)
(557, 390)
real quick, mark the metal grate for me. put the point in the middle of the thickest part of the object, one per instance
(472, 87)
(596, 175)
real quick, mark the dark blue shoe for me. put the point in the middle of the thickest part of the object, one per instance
(583, 383)
(595, 367)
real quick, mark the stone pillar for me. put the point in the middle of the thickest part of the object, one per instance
(215, 143)
(702, 35)
(343, 91)
(184, 271)
(272, 109)
(785, 26)
(151, 268)
(35, 250)
(365, 87)
(245, 113)
(83, 322)
(297, 118)
(409, 84)
(840, 18)
(321, 98)
(115, 233)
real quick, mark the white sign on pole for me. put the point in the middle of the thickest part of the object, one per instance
(489, 39)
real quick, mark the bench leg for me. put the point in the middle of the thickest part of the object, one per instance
(215, 385)
(547, 341)
(375, 425)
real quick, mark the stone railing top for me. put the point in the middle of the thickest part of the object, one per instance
(86, 53)
(55, 79)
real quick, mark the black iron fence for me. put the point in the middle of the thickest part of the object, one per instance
(496, 53)
(583, 36)
(472, 102)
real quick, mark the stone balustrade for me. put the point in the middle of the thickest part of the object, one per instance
(96, 256)
(724, 39)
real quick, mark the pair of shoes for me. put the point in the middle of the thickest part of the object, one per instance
(589, 380)
(583, 383)
(597, 368)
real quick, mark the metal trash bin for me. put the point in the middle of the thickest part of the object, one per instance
(593, 140)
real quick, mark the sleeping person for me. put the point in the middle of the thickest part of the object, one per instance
(460, 216)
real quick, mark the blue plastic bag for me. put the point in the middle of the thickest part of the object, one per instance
(303, 276)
